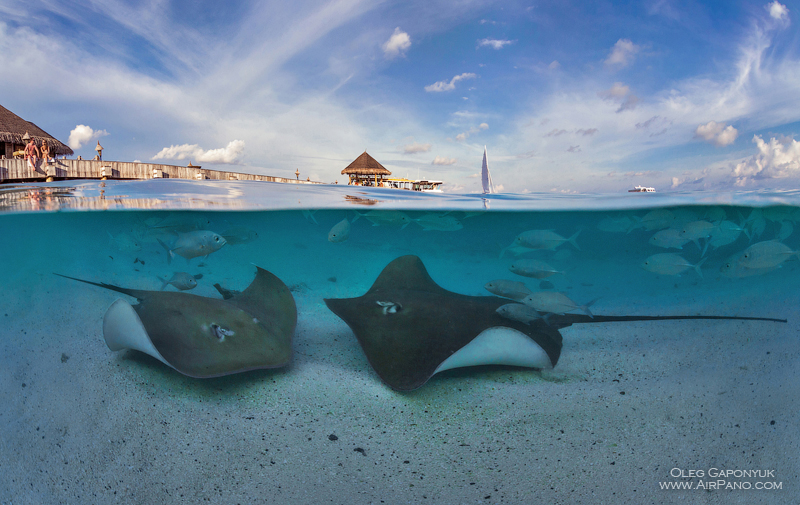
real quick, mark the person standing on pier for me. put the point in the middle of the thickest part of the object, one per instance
(32, 154)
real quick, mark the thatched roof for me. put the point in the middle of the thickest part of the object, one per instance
(366, 165)
(13, 128)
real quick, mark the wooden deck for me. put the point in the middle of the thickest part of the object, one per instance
(15, 170)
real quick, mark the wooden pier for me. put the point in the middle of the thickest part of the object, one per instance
(17, 170)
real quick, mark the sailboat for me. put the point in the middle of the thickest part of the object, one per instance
(486, 177)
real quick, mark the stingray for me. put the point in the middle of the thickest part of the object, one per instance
(206, 337)
(410, 328)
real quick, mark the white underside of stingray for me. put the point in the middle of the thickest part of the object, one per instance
(122, 329)
(498, 346)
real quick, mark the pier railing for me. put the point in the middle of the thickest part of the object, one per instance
(17, 170)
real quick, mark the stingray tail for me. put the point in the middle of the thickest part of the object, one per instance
(170, 254)
(130, 292)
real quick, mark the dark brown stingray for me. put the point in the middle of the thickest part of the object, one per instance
(408, 325)
(208, 337)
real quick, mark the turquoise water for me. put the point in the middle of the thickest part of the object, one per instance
(625, 404)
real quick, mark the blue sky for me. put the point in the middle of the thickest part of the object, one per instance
(567, 96)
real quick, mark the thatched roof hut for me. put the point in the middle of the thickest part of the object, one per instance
(366, 171)
(13, 128)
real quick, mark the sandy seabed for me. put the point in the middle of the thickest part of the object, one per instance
(626, 405)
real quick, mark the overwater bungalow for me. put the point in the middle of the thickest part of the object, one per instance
(366, 171)
(15, 132)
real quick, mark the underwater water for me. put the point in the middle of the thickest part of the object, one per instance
(630, 410)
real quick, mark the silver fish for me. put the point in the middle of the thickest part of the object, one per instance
(544, 239)
(181, 280)
(555, 303)
(508, 289)
(668, 239)
(670, 264)
(533, 268)
(124, 242)
(239, 235)
(519, 312)
(340, 231)
(767, 254)
(387, 218)
(193, 244)
(439, 222)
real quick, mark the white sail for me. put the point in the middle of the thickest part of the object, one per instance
(486, 177)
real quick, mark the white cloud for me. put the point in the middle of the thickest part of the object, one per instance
(494, 43)
(475, 129)
(416, 148)
(448, 86)
(618, 90)
(778, 158)
(622, 54)
(778, 11)
(717, 133)
(397, 44)
(439, 160)
(82, 135)
(620, 93)
(555, 65)
(228, 154)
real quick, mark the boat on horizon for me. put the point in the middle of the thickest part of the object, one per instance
(642, 189)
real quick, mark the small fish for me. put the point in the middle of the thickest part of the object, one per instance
(181, 281)
(670, 264)
(732, 269)
(239, 235)
(767, 254)
(340, 231)
(508, 289)
(124, 242)
(544, 239)
(622, 224)
(726, 232)
(787, 228)
(387, 218)
(657, 219)
(533, 268)
(193, 244)
(519, 312)
(438, 222)
(668, 239)
(177, 223)
(309, 215)
(755, 222)
(716, 214)
(696, 230)
(555, 303)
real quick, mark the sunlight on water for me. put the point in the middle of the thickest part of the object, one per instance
(628, 398)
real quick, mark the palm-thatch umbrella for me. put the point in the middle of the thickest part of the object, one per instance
(13, 128)
(364, 168)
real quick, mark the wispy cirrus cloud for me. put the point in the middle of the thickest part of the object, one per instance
(415, 148)
(441, 160)
(450, 85)
(475, 129)
(495, 44)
